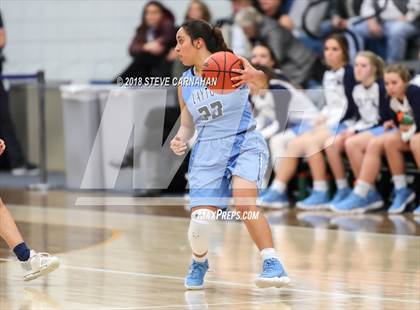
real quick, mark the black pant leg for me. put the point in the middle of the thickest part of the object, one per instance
(13, 151)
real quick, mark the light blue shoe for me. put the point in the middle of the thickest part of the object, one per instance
(273, 199)
(317, 200)
(340, 195)
(402, 198)
(357, 204)
(273, 274)
(195, 278)
(417, 210)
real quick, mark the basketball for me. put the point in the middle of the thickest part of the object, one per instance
(217, 71)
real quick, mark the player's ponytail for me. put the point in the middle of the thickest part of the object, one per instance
(220, 41)
(212, 36)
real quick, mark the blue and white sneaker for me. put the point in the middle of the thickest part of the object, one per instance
(317, 200)
(357, 204)
(195, 278)
(273, 274)
(417, 210)
(402, 198)
(273, 199)
(340, 195)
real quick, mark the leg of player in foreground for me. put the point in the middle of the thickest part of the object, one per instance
(245, 194)
(34, 264)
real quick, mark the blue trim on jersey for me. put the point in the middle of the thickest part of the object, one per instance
(239, 139)
(187, 90)
(236, 149)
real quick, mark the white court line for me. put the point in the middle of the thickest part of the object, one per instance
(141, 274)
(283, 301)
(6, 260)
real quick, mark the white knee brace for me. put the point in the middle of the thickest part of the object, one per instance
(198, 232)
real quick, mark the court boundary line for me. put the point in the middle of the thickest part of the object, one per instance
(227, 283)
(282, 301)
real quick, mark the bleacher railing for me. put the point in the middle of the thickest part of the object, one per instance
(39, 77)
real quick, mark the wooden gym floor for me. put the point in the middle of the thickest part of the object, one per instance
(119, 254)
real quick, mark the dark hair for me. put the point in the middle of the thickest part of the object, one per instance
(204, 10)
(342, 41)
(399, 69)
(211, 35)
(166, 14)
(270, 51)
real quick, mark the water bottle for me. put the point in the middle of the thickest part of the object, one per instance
(404, 118)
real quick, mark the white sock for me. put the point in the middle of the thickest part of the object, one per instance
(278, 186)
(341, 183)
(362, 188)
(400, 181)
(320, 186)
(268, 253)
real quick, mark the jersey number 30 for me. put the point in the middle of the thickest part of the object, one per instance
(216, 111)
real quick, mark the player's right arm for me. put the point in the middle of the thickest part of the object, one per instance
(186, 130)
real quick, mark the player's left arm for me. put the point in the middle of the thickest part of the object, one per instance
(249, 75)
(186, 130)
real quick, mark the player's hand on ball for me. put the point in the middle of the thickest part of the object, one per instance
(2, 146)
(247, 75)
(178, 146)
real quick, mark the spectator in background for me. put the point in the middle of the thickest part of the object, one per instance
(340, 12)
(152, 42)
(263, 55)
(402, 98)
(284, 111)
(276, 9)
(396, 20)
(308, 16)
(335, 116)
(373, 112)
(340, 15)
(409, 139)
(2, 43)
(295, 60)
(14, 154)
(233, 34)
(198, 10)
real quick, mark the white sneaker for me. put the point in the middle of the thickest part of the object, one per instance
(39, 264)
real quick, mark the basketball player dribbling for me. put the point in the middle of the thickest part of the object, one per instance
(34, 264)
(229, 157)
